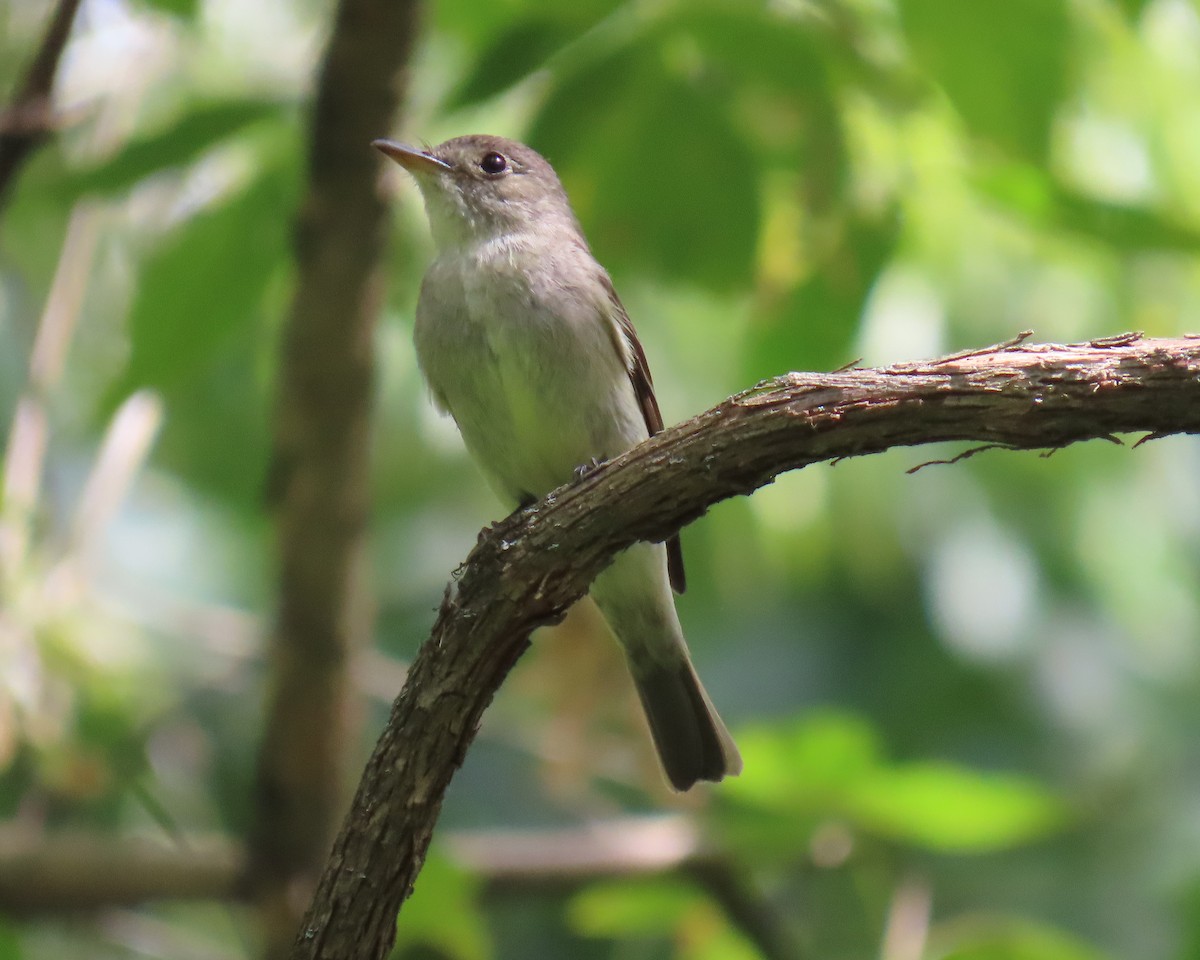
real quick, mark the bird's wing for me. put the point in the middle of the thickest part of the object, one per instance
(629, 347)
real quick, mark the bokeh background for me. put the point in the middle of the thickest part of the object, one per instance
(968, 697)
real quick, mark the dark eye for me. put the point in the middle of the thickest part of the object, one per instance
(493, 163)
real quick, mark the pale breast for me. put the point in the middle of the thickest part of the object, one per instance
(523, 358)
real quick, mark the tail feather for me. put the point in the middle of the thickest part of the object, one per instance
(634, 594)
(691, 740)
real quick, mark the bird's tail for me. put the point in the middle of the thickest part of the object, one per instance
(634, 594)
(691, 740)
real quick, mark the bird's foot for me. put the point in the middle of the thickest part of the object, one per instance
(584, 469)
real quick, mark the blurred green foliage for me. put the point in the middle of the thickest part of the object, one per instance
(967, 698)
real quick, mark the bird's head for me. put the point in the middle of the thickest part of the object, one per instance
(478, 187)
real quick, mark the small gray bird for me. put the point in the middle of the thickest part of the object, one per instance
(522, 339)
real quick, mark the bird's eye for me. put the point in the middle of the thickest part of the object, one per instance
(493, 163)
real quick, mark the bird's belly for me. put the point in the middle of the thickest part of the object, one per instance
(530, 429)
(533, 397)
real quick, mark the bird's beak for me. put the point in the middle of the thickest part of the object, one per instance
(414, 161)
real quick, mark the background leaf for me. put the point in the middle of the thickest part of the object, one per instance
(1002, 63)
(200, 128)
(948, 808)
(185, 9)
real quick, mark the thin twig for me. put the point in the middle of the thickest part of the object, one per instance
(957, 458)
(983, 351)
(747, 909)
(28, 437)
(906, 932)
(29, 119)
(1117, 339)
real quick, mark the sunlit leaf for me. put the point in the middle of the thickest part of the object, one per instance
(829, 767)
(1132, 8)
(659, 907)
(1002, 63)
(723, 943)
(952, 808)
(1004, 938)
(819, 756)
(1022, 188)
(443, 913)
(185, 9)
(638, 907)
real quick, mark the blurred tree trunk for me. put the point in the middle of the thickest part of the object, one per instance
(319, 485)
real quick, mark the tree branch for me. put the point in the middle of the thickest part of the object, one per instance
(530, 567)
(29, 119)
(76, 872)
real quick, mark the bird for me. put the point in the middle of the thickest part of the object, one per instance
(522, 339)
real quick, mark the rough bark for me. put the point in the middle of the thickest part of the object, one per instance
(530, 567)
(320, 476)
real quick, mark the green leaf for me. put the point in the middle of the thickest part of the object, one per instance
(184, 9)
(945, 807)
(10, 942)
(204, 282)
(814, 326)
(443, 913)
(512, 55)
(622, 908)
(217, 435)
(659, 908)
(1002, 63)
(480, 26)
(722, 943)
(829, 766)
(686, 209)
(1033, 195)
(1003, 938)
(1132, 9)
(659, 177)
(818, 756)
(1020, 187)
(202, 127)
(1122, 226)
(198, 330)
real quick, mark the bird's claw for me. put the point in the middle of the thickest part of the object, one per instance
(584, 469)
